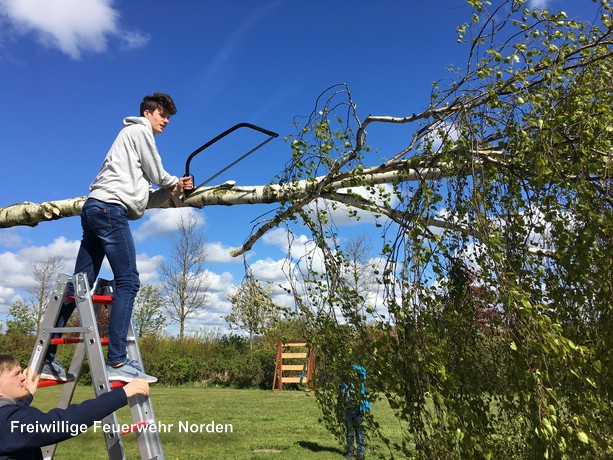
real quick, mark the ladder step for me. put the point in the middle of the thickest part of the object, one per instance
(102, 299)
(294, 355)
(295, 380)
(293, 367)
(136, 427)
(68, 340)
(66, 330)
(96, 299)
(88, 345)
(52, 383)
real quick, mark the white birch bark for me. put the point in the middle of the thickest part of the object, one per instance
(31, 214)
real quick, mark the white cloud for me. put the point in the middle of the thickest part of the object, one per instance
(7, 297)
(217, 252)
(284, 240)
(342, 214)
(147, 267)
(540, 4)
(72, 26)
(277, 237)
(442, 130)
(269, 270)
(60, 247)
(219, 282)
(10, 239)
(134, 39)
(164, 222)
(16, 267)
(212, 317)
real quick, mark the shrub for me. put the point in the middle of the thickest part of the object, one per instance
(209, 358)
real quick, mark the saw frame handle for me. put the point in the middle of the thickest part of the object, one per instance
(221, 136)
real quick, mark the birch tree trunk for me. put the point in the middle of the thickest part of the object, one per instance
(228, 194)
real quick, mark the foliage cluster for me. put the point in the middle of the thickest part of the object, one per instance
(226, 360)
(253, 309)
(223, 360)
(491, 336)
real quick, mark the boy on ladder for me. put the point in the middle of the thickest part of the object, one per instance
(119, 193)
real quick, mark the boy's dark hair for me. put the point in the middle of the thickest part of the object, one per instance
(7, 362)
(160, 101)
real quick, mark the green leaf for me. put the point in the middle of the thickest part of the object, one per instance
(547, 425)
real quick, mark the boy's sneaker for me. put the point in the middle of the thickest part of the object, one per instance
(52, 370)
(127, 372)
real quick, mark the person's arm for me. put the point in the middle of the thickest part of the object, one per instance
(151, 162)
(24, 426)
(162, 195)
(185, 183)
(136, 387)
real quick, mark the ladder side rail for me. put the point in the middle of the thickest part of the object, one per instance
(278, 367)
(76, 368)
(68, 390)
(141, 408)
(90, 345)
(57, 298)
(149, 442)
(97, 362)
(311, 368)
(52, 312)
(54, 305)
(148, 437)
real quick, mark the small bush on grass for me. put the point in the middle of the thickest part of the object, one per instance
(220, 360)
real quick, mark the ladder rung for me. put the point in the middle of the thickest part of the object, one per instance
(88, 340)
(66, 330)
(96, 299)
(136, 427)
(67, 340)
(50, 383)
(294, 379)
(293, 367)
(293, 355)
(102, 299)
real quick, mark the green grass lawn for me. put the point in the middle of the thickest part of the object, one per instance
(265, 425)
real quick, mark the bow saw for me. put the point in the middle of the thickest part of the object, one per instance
(271, 135)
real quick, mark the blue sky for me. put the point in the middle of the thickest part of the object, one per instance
(71, 71)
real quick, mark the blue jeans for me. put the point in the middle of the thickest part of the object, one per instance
(353, 418)
(106, 232)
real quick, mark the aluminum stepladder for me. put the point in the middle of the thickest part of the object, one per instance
(90, 344)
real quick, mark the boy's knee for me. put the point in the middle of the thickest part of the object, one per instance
(128, 284)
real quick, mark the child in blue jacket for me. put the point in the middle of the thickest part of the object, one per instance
(356, 405)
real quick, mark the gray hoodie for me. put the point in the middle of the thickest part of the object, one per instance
(130, 167)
